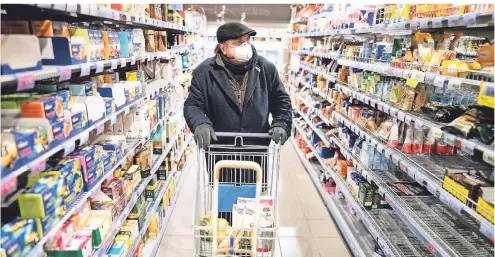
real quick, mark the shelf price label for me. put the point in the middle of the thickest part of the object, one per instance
(85, 69)
(37, 166)
(439, 81)
(25, 82)
(401, 115)
(65, 74)
(99, 67)
(437, 22)
(408, 119)
(418, 124)
(468, 147)
(488, 158)
(449, 139)
(114, 63)
(469, 18)
(84, 137)
(123, 62)
(418, 75)
(133, 60)
(100, 128)
(455, 83)
(437, 133)
(423, 23)
(453, 21)
(69, 147)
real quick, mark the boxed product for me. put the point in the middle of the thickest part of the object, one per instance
(48, 28)
(143, 158)
(101, 201)
(92, 167)
(49, 108)
(133, 175)
(61, 239)
(83, 89)
(19, 237)
(151, 190)
(113, 188)
(365, 195)
(115, 91)
(94, 106)
(43, 196)
(13, 60)
(79, 246)
(99, 226)
(118, 249)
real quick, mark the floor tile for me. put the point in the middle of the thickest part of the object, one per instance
(329, 247)
(298, 247)
(294, 228)
(314, 210)
(174, 253)
(323, 228)
(178, 242)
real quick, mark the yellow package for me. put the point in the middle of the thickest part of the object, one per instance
(486, 94)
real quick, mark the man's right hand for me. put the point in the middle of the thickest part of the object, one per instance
(203, 134)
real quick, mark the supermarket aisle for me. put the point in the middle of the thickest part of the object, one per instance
(305, 226)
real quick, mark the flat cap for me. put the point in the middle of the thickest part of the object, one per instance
(231, 30)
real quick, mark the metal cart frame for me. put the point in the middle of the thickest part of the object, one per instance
(227, 172)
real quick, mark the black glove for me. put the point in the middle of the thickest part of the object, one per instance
(202, 135)
(278, 134)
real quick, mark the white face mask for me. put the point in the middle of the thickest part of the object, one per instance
(243, 53)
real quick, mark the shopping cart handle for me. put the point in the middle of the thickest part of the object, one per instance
(243, 135)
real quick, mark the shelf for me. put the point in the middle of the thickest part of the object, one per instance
(356, 241)
(429, 78)
(438, 235)
(114, 16)
(394, 242)
(469, 20)
(317, 131)
(64, 72)
(100, 252)
(314, 110)
(154, 206)
(318, 73)
(151, 247)
(68, 145)
(414, 71)
(186, 143)
(410, 118)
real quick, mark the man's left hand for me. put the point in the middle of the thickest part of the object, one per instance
(278, 134)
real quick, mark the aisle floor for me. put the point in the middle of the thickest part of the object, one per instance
(305, 226)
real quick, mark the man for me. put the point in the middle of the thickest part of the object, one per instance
(235, 91)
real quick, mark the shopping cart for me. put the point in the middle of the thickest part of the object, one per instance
(237, 184)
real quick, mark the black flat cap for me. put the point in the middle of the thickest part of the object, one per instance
(231, 30)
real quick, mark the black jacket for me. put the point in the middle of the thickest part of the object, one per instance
(211, 101)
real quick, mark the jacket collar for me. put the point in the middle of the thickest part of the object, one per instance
(223, 81)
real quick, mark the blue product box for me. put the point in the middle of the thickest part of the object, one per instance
(62, 51)
(43, 196)
(114, 147)
(79, 121)
(160, 100)
(25, 143)
(83, 89)
(19, 237)
(109, 105)
(124, 44)
(87, 159)
(58, 130)
(107, 161)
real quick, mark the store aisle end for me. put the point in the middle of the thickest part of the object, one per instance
(306, 228)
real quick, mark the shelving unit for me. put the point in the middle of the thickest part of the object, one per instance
(436, 225)
(160, 97)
